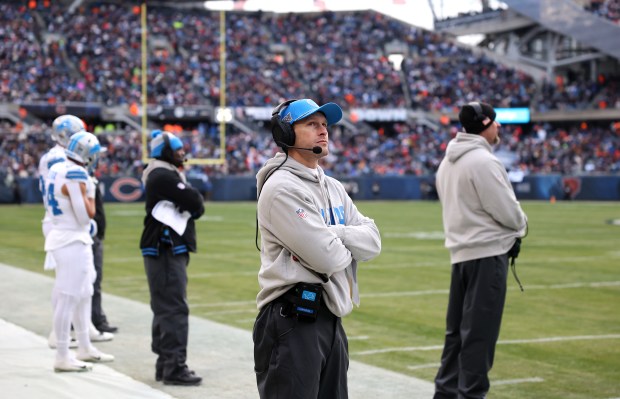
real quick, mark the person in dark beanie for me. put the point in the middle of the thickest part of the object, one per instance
(483, 222)
(167, 240)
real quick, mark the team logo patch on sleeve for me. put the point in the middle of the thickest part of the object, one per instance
(301, 213)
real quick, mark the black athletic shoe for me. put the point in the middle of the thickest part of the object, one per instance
(159, 374)
(105, 327)
(186, 377)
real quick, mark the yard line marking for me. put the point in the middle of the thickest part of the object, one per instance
(403, 293)
(222, 312)
(506, 342)
(517, 381)
(244, 321)
(403, 349)
(424, 366)
(358, 338)
(204, 218)
(221, 274)
(190, 275)
(576, 285)
(597, 284)
(406, 265)
(558, 339)
(420, 235)
(223, 304)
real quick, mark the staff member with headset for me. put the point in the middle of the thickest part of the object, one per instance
(166, 256)
(483, 224)
(312, 238)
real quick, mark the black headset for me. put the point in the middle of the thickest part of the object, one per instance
(479, 115)
(166, 152)
(282, 132)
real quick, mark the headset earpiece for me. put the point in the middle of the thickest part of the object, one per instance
(167, 153)
(282, 132)
(479, 115)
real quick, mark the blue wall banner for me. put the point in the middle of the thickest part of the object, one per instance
(243, 188)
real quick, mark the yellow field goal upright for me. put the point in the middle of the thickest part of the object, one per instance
(223, 114)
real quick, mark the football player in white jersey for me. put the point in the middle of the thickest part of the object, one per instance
(70, 200)
(63, 127)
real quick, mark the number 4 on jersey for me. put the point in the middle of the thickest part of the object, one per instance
(52, 202)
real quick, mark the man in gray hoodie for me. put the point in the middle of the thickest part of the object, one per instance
(482, 221)
(312, 237)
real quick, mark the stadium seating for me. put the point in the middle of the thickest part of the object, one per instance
(92, 54)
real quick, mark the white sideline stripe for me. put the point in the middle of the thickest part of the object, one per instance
(506, 342)
(424, 366)
(517, 381)
(598, 284)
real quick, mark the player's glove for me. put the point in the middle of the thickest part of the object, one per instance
(93, 228)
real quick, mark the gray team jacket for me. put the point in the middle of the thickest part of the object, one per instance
(310, 228)
(481, 214)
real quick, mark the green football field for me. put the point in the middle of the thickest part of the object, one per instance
(559, 339)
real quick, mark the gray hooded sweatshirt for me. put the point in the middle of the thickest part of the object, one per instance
(310, 231)
(481, 214)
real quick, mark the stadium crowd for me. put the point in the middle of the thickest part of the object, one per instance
(394, 149)
(608, 9)
(92, 54)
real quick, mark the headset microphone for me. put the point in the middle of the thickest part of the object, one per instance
(315, 149)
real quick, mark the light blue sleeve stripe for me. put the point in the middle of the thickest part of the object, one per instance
(77, 175)
(53, 162)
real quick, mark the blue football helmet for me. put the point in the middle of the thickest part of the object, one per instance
(64, 127)
(84, 148)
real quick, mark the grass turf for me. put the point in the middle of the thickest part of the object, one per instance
(560, 338)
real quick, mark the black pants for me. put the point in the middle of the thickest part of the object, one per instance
(475, 307)
(295, 359)
(98, 316)
(167, 278)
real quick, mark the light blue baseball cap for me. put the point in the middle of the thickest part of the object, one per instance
(300, 109)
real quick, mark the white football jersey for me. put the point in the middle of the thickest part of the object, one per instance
(55, 155)
(66, 228)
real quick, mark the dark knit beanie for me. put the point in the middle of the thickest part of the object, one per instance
(473, 116)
